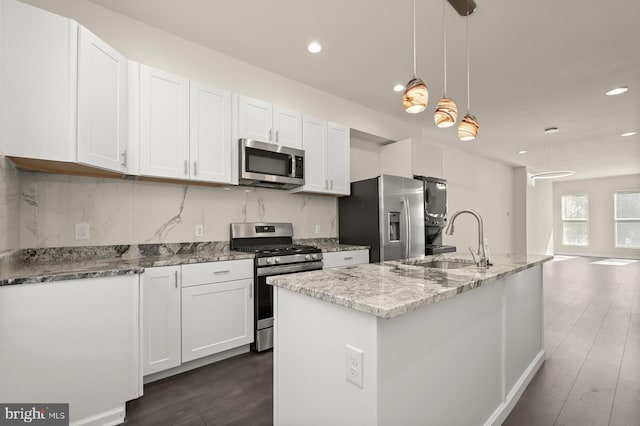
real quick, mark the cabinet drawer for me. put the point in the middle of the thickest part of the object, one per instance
(345, 258)
(215, 272)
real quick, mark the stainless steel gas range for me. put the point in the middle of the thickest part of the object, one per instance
(276, 254)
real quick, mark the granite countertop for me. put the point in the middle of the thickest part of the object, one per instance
(389, 289)
(67, 263)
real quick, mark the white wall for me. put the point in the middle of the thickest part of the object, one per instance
(601, 215)
(539, 219)
(487, 187)
(365, 159)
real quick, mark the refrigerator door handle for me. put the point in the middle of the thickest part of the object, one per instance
(406, 244)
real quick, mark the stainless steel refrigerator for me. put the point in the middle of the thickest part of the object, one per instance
(386, 213)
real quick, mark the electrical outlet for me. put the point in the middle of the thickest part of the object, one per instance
(354, 365)
(199, 230)
(317, 229)
(83, 231)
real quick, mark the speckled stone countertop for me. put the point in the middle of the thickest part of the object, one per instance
(67, 263)
(389, 289)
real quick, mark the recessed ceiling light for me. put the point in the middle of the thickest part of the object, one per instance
(522, 152)
(314, 47)
(617, 91)
(629, 134)
(551, 130)
(398, 88)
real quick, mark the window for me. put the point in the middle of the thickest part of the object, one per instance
(575, 220)
(627, 216)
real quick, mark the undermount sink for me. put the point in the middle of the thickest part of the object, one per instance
(447, 264)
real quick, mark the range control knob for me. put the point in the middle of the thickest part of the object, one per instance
(315, 256)
(269, 260)
(277, 260)
(308, 257)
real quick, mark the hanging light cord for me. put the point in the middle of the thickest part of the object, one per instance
(414, 38)
(444, 46)
(468, 90)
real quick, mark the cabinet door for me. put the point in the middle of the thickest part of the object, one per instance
(39, 83)
(216, 317)
(287, 127)
(164, 124)
(315, 154)
(338, 157)
(161, 318)
(255, 119)
(102, 97)
(210, 134)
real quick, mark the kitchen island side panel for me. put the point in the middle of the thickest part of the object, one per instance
(309, 363)
(442, 364)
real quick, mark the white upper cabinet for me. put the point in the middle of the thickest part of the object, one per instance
(64, 89)
(39, 83)
(338, 159)
(164, 124)
(102, 100)
(327, 152)
(264, 122)
(210, 134)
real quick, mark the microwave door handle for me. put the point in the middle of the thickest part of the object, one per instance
(292, 166)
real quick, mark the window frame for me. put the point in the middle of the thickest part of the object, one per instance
(574, 220)
(617, 220)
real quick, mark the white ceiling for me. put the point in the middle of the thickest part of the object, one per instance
(534, 65)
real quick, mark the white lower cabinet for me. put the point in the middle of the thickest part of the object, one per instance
(345, 258)
(75, 341)
(216, 317)
(161, 312)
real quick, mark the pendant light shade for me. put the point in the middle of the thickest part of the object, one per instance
(446, 112)
(468, 128)
(416, 96)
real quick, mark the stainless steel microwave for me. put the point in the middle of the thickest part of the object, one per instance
(270, 165)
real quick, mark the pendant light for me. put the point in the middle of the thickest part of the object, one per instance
(468, 127)
(553, 174)
(446, 112)
(416, 95)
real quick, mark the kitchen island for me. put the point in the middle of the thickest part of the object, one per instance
(402, 343)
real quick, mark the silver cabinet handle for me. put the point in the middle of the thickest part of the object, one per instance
(195, 168)
(175, 281)
(224, 271)
(276, 136)
(123, 158)
(348, 258)
(270, 134)
(331, 183)
(326, 184)
(186, 167)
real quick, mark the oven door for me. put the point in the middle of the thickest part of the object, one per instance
(263, 300)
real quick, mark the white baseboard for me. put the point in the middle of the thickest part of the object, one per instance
(111, 417)
(503, 410)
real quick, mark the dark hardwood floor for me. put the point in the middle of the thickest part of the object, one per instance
(237, 391)
(591, 375)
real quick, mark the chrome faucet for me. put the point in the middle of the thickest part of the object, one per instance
(482, 261)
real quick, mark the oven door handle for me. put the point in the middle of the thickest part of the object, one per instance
(289, 268)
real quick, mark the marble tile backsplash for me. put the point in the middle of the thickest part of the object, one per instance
(138, 212)
(9, 205)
